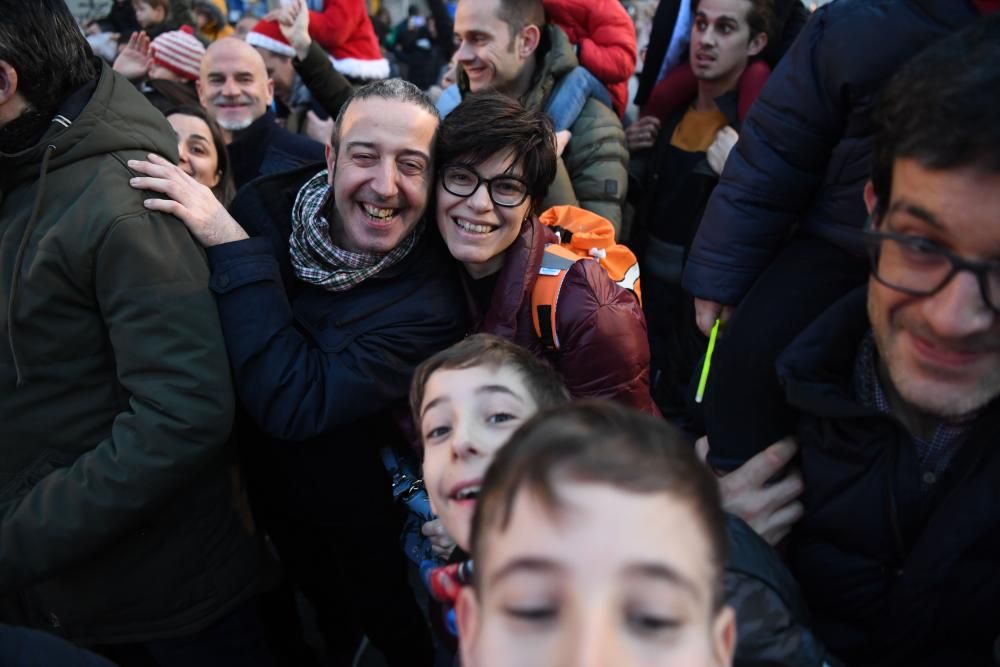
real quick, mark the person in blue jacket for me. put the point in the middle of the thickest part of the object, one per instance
(781, 237)
(331, 290)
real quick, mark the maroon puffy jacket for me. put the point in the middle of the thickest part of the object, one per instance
(604, 352)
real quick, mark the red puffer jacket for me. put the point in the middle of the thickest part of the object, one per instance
(605, 40)
(604, 352)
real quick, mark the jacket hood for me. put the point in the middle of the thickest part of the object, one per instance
(554, 59)
(116, 117)
(215, 9)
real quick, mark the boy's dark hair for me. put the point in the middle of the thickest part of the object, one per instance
(543, 382)
(760, 18)
(226, 189)
(940, 108)
(520, 13)
(387, 89)
(42, 42)
(606, 443)
(487, 123)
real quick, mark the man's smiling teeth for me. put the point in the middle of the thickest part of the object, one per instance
(469, 227)
(378, 213)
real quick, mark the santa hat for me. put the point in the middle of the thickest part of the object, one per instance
(179, 51)
(267, 35)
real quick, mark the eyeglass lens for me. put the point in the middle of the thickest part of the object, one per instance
(913, 267)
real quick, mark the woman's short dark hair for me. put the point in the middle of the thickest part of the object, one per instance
(488, 123)
(224, 190)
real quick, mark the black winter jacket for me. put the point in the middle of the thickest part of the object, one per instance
(893, 576)
(805, 147)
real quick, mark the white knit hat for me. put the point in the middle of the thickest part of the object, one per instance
(180, 52)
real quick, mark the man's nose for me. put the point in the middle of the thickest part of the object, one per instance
(958, 309)
(384, 183)
(465, 52)
(229, 87)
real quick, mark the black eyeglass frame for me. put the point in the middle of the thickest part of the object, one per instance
(479, 181)
(874, 237)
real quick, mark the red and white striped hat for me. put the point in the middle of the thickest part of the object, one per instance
(179, 51)
(267, 35)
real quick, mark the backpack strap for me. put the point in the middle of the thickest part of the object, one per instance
(556, 262)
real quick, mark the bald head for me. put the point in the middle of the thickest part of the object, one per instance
(234, 87)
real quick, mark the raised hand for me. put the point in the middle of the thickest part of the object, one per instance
(135, 59)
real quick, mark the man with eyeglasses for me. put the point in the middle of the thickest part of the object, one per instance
(898, 548)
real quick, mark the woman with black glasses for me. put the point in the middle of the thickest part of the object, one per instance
(497, 160)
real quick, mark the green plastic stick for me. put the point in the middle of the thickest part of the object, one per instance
(703, 380)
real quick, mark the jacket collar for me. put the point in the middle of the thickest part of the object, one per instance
(816, 370)
(517, 278)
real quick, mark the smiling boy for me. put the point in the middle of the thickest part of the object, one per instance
(467, 401)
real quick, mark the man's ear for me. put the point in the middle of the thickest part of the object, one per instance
(8, 82)
(871, 201)
(531, 37)
(724, 636)
(201, 92)
(467, 616)
(270, 91)
(331, 163)
(757, 44)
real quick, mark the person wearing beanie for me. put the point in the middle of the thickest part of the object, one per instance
(344, 30)
(164, 69)
(304, 77)
(176, 56)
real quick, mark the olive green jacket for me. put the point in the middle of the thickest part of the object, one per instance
(119, 512)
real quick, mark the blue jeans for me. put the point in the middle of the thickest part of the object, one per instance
(571, 93)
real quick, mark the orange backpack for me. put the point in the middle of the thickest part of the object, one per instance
(583, 236)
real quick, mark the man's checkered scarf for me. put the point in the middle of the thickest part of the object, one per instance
(315, 257)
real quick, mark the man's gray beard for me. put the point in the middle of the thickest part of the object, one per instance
(237, 126)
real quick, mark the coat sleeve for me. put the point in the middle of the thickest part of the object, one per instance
(604, 351)
(597, 162)
(297, 387)
(151, 284)
(775, 170)
(327, 86)
(609, 50)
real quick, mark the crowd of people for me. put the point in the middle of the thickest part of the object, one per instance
(557, 349)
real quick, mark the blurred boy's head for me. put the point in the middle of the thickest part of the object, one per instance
(151, 13)
(467, 401)
(599, 538)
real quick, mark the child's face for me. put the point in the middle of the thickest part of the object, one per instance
(610, 577)
(146, 15)
(467, 415)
